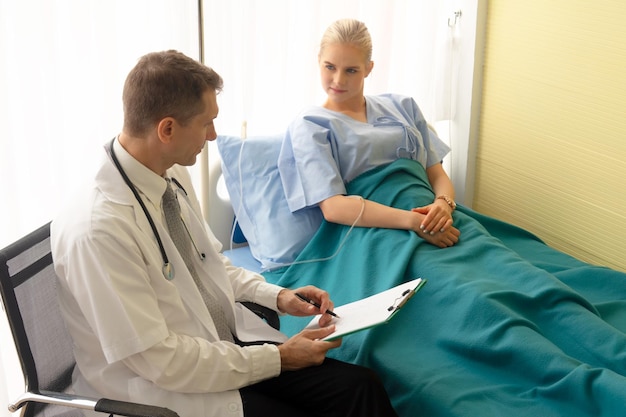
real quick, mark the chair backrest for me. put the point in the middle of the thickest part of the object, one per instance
(28, 288)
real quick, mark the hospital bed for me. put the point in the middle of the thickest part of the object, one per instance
(506, 325)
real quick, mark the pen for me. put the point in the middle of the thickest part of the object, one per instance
(308, 300)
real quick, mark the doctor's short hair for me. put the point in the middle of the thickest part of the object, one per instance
(350, 31)
(165, 84)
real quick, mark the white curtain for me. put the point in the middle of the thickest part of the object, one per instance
(267, 53)
(63, 64)
(62, 67)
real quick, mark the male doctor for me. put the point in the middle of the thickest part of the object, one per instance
(141, 329)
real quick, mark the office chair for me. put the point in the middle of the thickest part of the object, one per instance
(44, 347)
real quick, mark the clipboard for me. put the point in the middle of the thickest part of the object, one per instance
(371, 311)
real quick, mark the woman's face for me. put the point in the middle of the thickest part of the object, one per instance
(343, 69)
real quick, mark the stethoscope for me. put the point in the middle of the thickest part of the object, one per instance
(168, 268)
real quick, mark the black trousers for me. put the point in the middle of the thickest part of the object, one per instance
(332, 389)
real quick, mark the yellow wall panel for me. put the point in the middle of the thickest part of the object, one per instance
(552, 142)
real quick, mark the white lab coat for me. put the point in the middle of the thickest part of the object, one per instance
(117, 302)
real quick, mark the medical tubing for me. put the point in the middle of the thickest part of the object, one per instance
(343, 241)
(232, 232)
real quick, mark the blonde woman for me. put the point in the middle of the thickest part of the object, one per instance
(327, 146)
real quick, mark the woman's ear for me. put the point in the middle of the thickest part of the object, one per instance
(369, 67)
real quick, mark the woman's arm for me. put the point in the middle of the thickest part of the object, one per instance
(438, 214)
(348, 209)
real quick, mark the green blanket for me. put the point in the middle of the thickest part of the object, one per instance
(505, 326)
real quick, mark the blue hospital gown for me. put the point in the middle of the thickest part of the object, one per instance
(323, 150)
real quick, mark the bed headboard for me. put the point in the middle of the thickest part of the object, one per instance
(218, 209)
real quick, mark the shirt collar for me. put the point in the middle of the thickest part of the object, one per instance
(146, 181)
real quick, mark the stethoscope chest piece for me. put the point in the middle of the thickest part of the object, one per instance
(168, 271)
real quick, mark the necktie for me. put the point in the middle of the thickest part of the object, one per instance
(182, 240)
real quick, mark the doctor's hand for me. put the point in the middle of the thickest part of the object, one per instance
(305, 349)
(288, 302)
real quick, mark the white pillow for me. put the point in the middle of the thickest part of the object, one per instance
(276, 235)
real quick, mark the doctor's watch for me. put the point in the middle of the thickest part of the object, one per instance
(448, 200)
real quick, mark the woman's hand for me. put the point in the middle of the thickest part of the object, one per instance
(436, 226)
(449, 237)
(435, 218)
(437, 222)
(438, 216)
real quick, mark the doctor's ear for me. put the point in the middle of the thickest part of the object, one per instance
(165, 129)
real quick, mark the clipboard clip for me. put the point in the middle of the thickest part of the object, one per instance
(400, 301)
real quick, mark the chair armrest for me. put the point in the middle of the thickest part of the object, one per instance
(124, 408)
(267, 314)
(114, 407)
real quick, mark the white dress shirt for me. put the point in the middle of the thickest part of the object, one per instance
(137, 335)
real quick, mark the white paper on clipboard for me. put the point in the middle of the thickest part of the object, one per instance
(370, 311)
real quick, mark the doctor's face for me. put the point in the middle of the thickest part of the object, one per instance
(191, 137)
(343, 69)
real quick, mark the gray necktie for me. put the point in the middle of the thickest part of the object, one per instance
(183, 242)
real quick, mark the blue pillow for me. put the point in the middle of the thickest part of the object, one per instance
(276, 235)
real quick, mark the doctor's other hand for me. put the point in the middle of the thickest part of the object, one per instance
(305, 349)
(288, 302)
